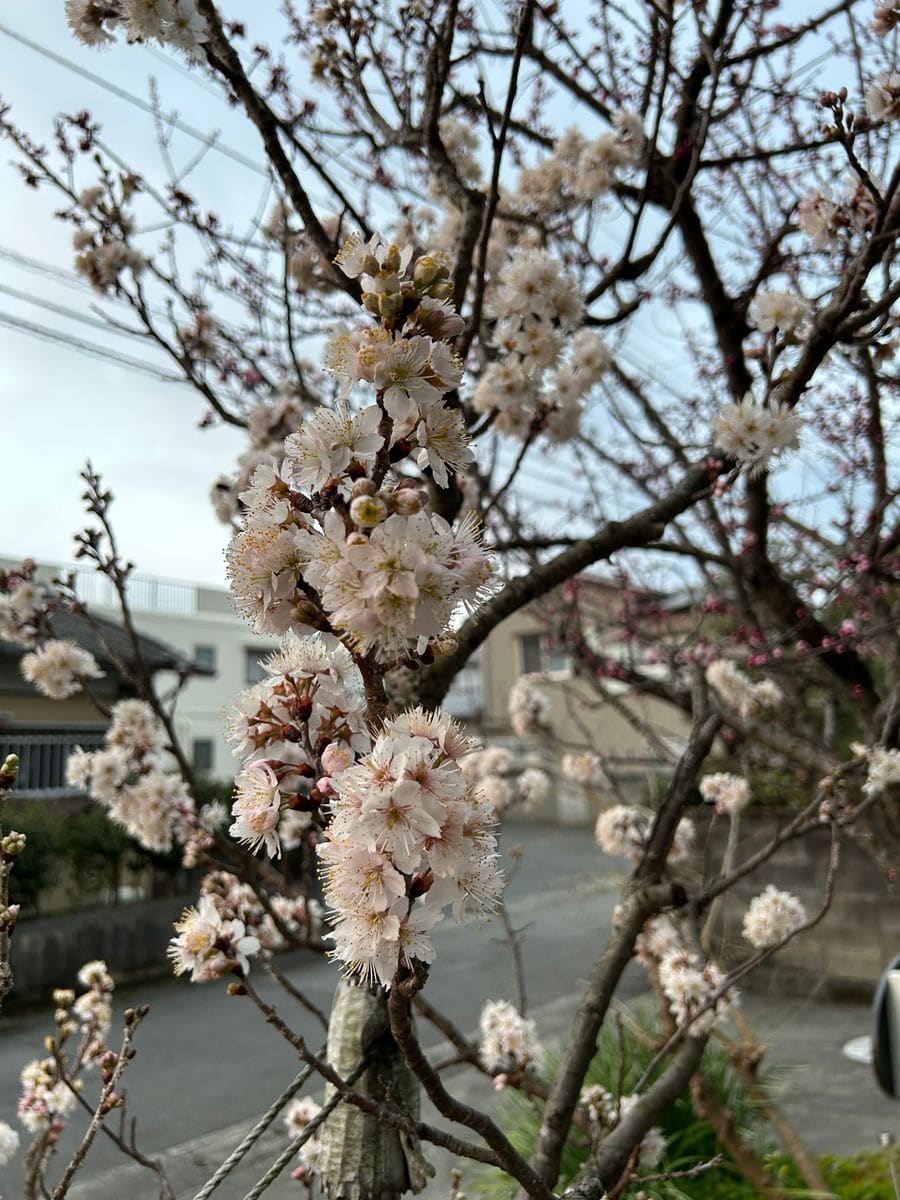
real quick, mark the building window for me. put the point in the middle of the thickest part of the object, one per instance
(202, 754)
(205, 656)
(253, 664)
(539, 657)
(465, 696)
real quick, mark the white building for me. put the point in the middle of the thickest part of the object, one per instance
(201, 623)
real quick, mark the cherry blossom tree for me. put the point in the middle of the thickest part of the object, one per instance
(643, 242)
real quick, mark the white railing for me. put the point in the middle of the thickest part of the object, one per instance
(146, 593)
(42, 757)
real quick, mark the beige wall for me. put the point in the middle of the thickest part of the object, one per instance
(577, 711)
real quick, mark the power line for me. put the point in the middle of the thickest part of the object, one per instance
(69, 313)
(75, 343)
(207, 139)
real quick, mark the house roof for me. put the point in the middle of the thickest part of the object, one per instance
(107, 640)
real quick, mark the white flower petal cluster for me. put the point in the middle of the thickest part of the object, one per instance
(739, 692)
(409, 837)
(45, 1100)
(488, 770)
(209, 945)
(509, 1041)
(536, 305)
(462, 145)
(886, 17)
(771, 917)
(883, 97)
(623, 831)
(584, 767)
(297, 1116)
(9, 1143)
(605, 1112)
(534, 787)
(21, 603)
(101, 262)
(237, 901)
(754, 433)
(579, 170)
(690, 985)
(729, 793)
(659, 937)
(884, 770)
(529, 707)
(773, 310)
(816, 215)
(127, 777)
(58, 668)
(325, 445)
(174, 23)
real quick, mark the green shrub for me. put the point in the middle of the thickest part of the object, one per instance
(623, 1054)
(38, 867)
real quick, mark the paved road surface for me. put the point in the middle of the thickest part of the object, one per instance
(207, 1065)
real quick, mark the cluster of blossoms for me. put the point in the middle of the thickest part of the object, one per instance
(9, 1143)
(739, 692)
(729, 793)
(59, 667)
(693, 989)
(584, 767)
(299, 917)
(883, 96)
(535, 305)
(46, 1100)
(294, 729)
(581, 170)
(529, 708)
(210, 945)
(659, 937)
(501, 783)
(268, 424)
(22, 604)
(102, 260)
(605, 1112)
(509, 1041)
(175, 23)
(328, 542)
(409, 837)
(822, 217)
(297, 1116)
(883, 770)
(771, 917)
(127, 777)
(773, 310)
(623, 831)
(91, 1012)
(755, 433)
(886, 17)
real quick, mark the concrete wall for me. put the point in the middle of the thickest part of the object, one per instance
(846, 953)
(47, 952)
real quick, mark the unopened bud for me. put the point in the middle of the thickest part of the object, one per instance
(12, 844)
(9, 769)
(363, 487)
(236, 989)
(425, 271)
(367, 511)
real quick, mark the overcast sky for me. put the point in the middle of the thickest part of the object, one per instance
(60, 406)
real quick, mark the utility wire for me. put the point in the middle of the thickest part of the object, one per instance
(130, 98)
(75, 343)
(70, 313)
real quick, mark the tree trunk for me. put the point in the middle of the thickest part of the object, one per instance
(360, 1158)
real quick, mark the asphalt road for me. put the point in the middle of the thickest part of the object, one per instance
(207, 1064)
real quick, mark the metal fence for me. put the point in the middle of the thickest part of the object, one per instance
(42, 757)
(146, 593)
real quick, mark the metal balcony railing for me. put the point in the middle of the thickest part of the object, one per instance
(42, 757)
